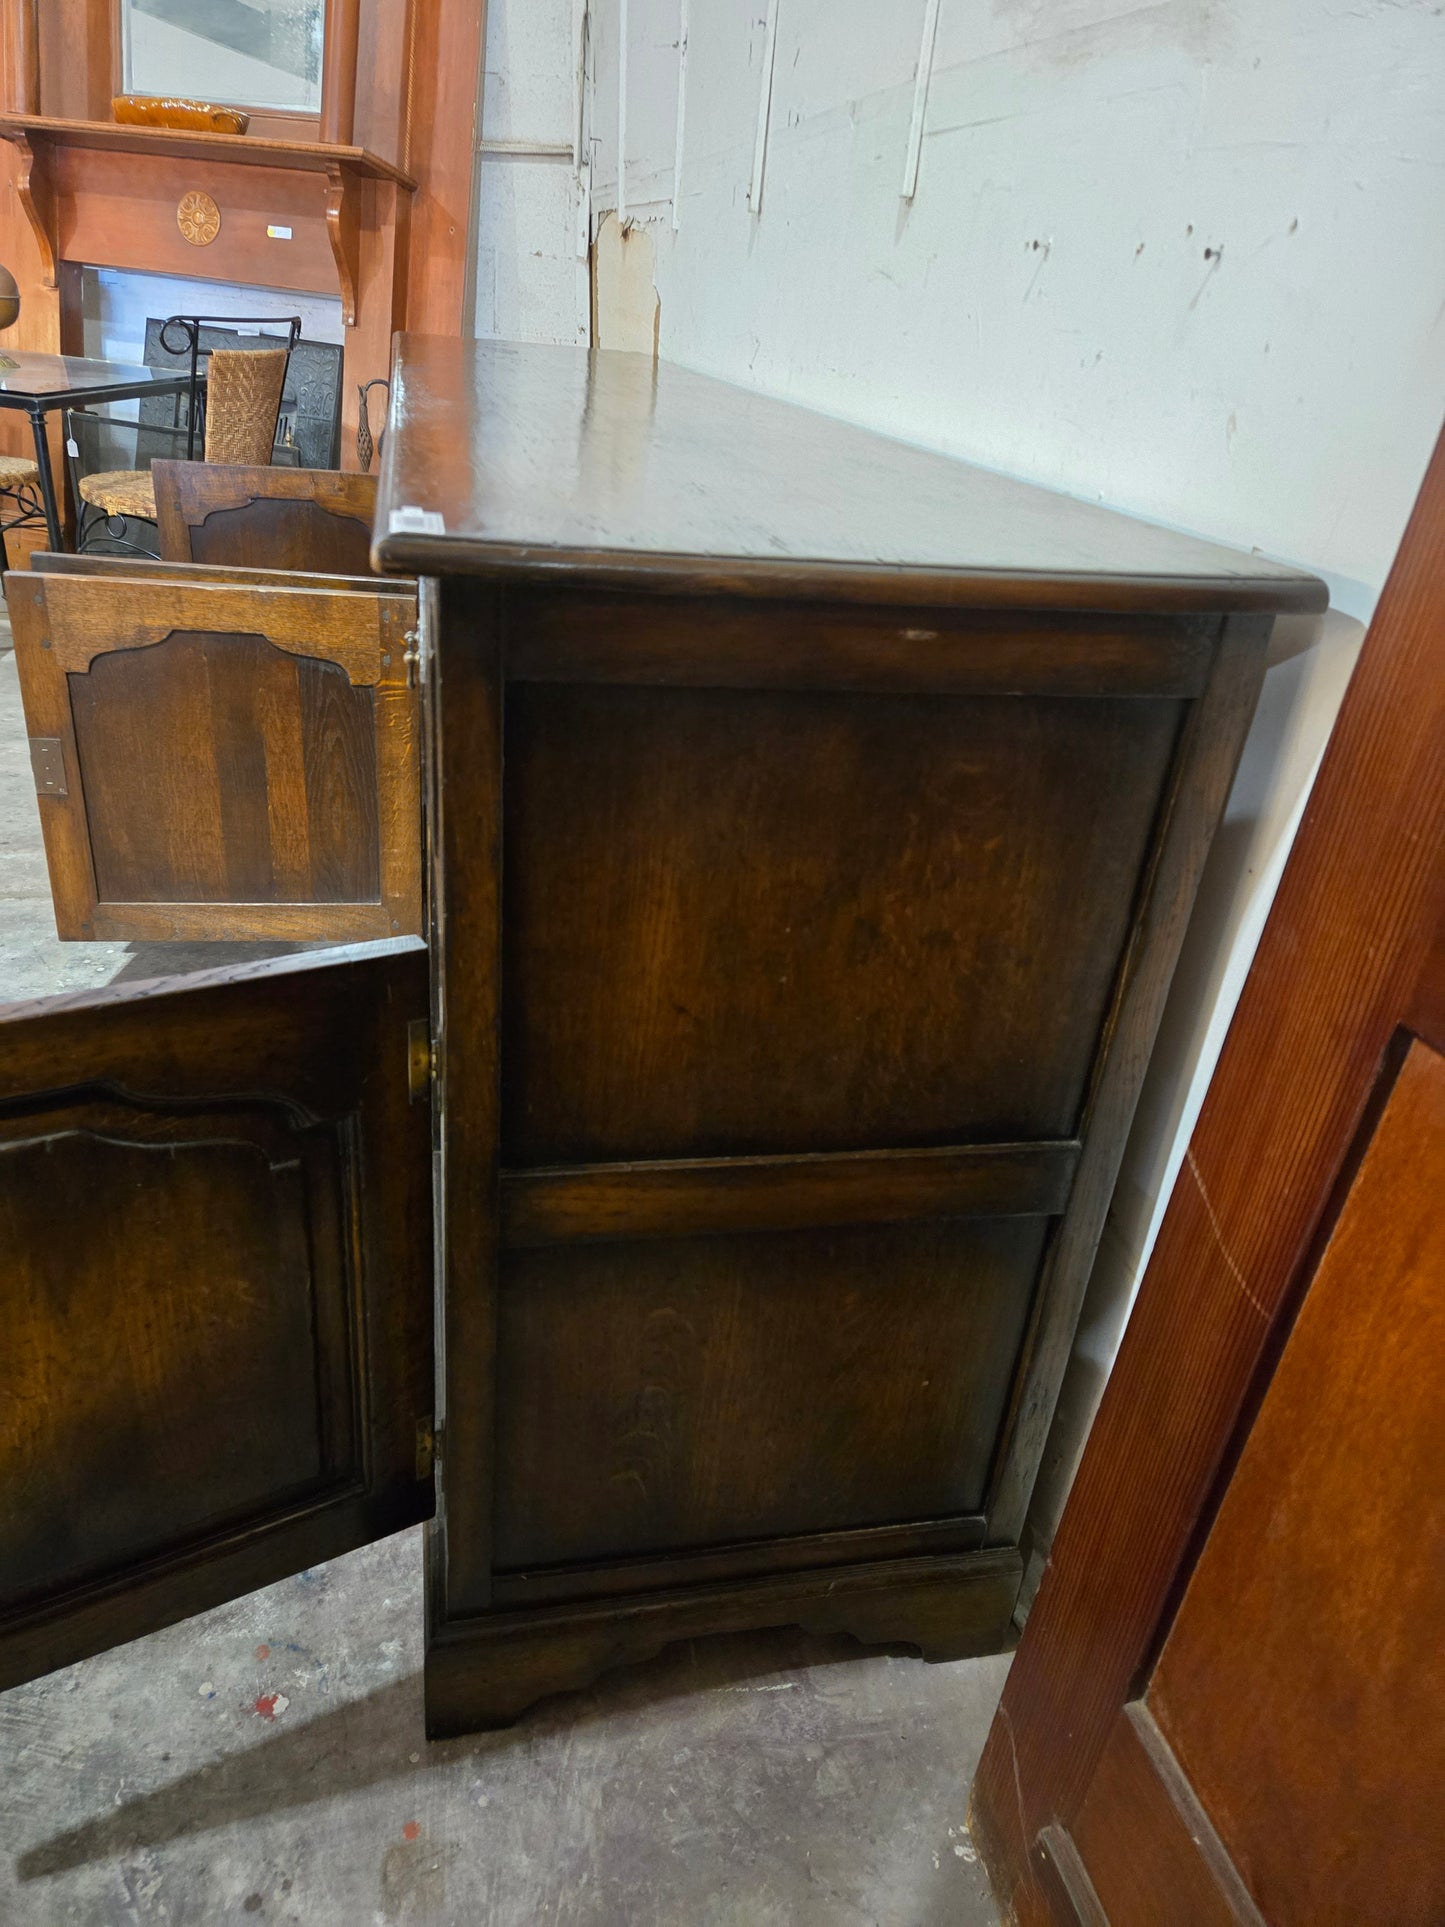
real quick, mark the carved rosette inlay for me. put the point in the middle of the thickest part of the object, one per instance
(199, 219)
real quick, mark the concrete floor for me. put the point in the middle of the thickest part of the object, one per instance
(266, 1761)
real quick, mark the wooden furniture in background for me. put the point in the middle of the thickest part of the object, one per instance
(215, 760)
(280, 518)
(818, 821)
(381, 218)
(1225, 1707)
(794, 971)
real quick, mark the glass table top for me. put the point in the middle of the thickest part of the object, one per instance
(28, 376)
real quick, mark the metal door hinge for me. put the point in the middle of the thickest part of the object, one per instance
(47, 759)
(420, 1058)
(411, 656)
(428, 1446)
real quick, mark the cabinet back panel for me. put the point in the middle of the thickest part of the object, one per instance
(218, 768)
(672, 1393)
(751, 921)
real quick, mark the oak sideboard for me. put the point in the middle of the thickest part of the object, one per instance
(813, 821)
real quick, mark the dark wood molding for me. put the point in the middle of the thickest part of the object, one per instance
(1209, 756)
(683, 1198)
(464, 696)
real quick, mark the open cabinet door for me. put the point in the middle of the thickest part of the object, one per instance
(1225, 1707)
(215, 1290)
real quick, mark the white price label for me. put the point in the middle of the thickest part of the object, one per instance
(416, 521)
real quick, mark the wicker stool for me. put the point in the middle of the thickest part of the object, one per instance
(242, 403)
(19, 484)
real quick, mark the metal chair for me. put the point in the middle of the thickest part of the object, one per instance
(233, 409)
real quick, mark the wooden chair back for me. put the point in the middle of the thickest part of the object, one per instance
(316, 520)
(215, 759)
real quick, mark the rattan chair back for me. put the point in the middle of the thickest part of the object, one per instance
(243, 400)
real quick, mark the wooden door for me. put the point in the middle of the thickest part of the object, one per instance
(1225, 1707)
(222, 760)
(215, 1291)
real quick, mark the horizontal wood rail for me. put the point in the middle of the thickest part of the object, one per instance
(557, 636)
(578, 1204)
(797, 1552)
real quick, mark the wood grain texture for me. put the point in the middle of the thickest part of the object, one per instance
(218, 768)
(118, 210)
(150, 1347)
(562, 1206)
(461, 641)
(219, 1339)
(744, 1559)
(1281, 1670)
(613, 469)
(142, 569)
(441, 116)
(1148, 1847)
(78, 72)
(812, 922)
(560, 636)
(1348, 941)
(851, 805)
(313, 520)
(1201, 779)
(239, 762)
(825, 1349)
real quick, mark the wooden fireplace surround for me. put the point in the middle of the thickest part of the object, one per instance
(376, 190)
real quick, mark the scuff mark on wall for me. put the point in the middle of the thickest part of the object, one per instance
(626, 312)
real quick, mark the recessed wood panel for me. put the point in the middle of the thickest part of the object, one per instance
(218, 768)
(300, 534)
(767, 921)
(688, 1392)
(175, 1331)
(215, 1309)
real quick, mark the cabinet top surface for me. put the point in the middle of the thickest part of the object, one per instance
(535, 463)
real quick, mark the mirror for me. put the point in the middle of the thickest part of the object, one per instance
(242, 53)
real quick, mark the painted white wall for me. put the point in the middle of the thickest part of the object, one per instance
(532, 232)
(1185, 258)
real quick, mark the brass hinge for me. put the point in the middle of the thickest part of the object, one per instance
(420, 1058)
(47, 759)
(428, 1446)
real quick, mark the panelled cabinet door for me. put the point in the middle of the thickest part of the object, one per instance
(215, 1290)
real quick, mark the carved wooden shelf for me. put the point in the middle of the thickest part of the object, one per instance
(343, 168)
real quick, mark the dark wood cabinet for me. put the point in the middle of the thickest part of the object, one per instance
(813, 824)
